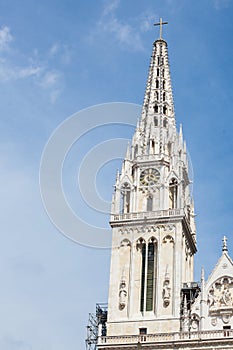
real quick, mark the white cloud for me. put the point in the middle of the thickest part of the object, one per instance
(146, 21)
(54, 49)
(127, 34)
(35, 67)
(110, 6)
(5, 38)
(10, 72)
(60, 51)
(221, 4)
(49, 79)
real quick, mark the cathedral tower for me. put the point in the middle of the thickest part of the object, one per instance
(153, 302)
(152, 219)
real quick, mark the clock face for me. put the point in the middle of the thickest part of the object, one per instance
(149, 177)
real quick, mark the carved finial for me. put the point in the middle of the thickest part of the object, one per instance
(181, 134)
(117, 177)
(224, 245)
(202, 274)
(127, 156)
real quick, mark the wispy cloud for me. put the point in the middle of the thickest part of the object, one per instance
(110, 7)
(38, 68)
(54, 49)
(60, 51)
(51, 82)
(127, 34)
(5, 38)
(11, 72)
(222, 4)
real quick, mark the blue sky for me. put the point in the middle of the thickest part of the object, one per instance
(56, 58)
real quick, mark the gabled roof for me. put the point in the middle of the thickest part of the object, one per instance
(224, 267)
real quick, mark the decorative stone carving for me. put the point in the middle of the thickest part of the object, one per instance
(226, 299)
(220, 300)
(226, 318)
(169, 239)
(214, 321)
(185, 322)
(125, 243)
(194, 322)
(211, 298)
(122, 292)
(166, 290)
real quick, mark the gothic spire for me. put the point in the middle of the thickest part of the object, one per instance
(157, 126)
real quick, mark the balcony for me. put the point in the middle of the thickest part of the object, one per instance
(147, 215)
(166, 337)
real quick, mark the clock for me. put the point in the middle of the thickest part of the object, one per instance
(149, 177)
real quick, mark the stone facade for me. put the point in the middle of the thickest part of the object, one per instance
(153, 301)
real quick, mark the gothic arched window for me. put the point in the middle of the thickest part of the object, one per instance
(125, 198)
(150, 283)
(149, 203)
(157, 84)
(148, 275)
(143, 268)
(157, 72)
(173, 189)
(163, 84)
(135, 151)
(156, 108)
(157, 95)
(165, 122)
(165, 110)
(164, 96)
(153, 146)
(155, 121)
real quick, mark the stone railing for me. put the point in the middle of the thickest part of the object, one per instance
(146, 215)
(164, 337)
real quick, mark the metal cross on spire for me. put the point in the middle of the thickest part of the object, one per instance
(161, 23)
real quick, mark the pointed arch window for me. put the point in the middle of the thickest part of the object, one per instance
(157, 84)
(157, 72)
(153, 146)
(173, 189)
(156, 108)
(149, 203)
(155, 121)
(135, 151)
(163, 73)
(164, 96)
(165, 110)
(164, 84)
(148, 275)
(125, 198)
(165, 122)
(143, 268)
(157, 95)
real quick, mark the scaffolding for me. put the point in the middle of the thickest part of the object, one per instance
(95, 320)
(189, 293)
